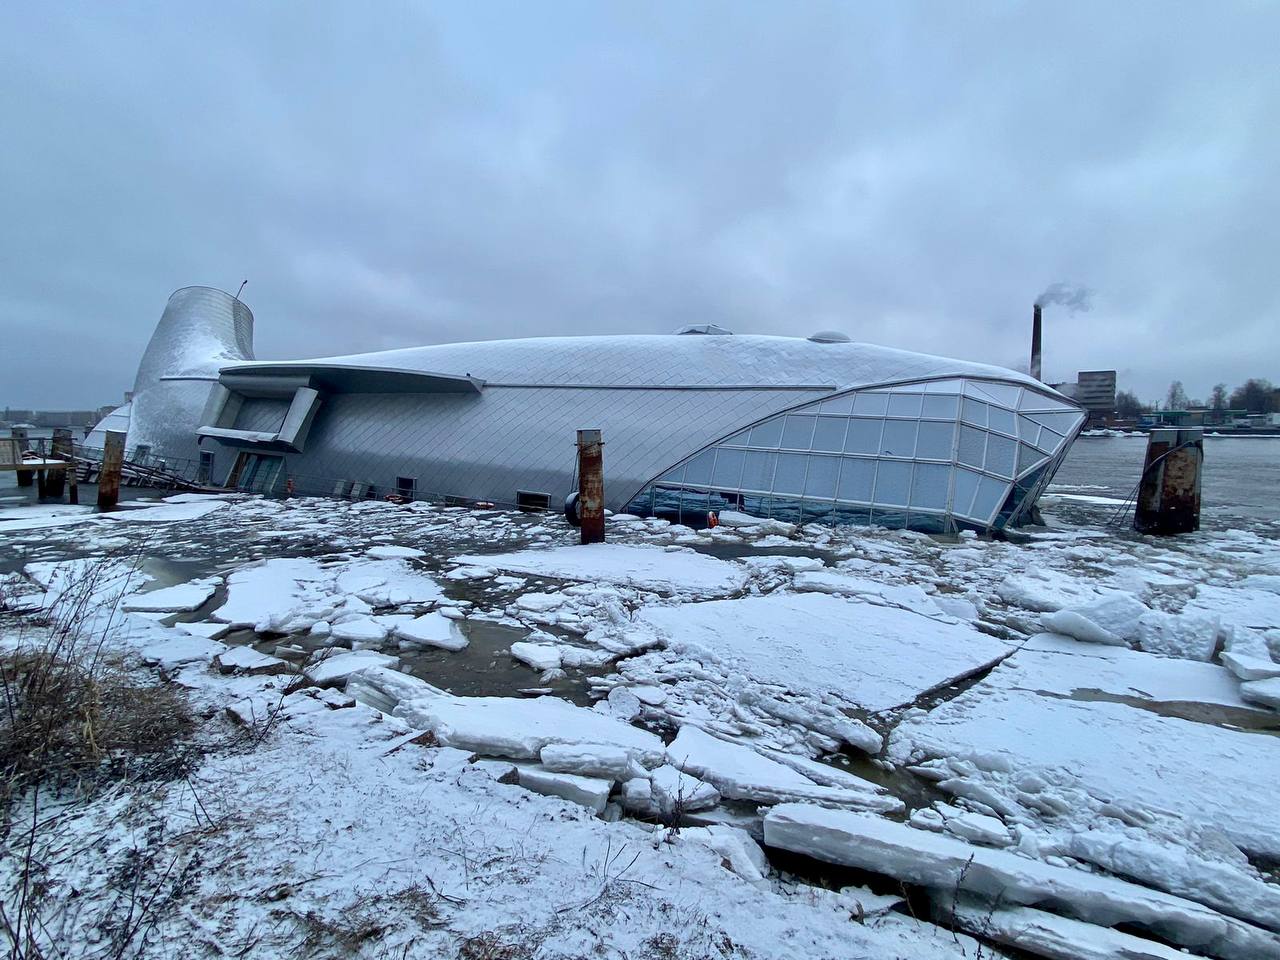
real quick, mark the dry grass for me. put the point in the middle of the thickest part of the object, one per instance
(365, 921)
(491, 945)
(66, 720)
(74, 717)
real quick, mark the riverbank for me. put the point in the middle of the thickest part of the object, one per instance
(437, 730)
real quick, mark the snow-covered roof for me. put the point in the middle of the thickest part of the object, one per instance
(668, 361)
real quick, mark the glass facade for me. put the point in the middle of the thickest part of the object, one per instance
(932, 455)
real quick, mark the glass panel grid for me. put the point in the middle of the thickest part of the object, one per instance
(936, 440)
(871, 404)
(728, 469)
(905, 405)
(972, 411)
(820, 483)
(829, 432)
(797, 432)
(899, 439)
(788, 478)
(940, 407)
(1003, 421)
(766, 434)
(857, 479)
(901, 448)
(839, 406)
(864, 436)
(757, 470)
(893, 483)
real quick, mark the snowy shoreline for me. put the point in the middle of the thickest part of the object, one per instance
(1091, 718)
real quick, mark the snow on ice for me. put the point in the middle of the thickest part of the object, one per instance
(519, 729)
(864, 655)
(942, 863)
(1115, 772)
(287, 595)
(1131, 759)
(648, 568)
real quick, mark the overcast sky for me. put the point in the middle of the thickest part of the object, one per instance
(387, 175)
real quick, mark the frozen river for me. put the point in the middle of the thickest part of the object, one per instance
(1077, 727)
(1241, 478)
(1241, 474)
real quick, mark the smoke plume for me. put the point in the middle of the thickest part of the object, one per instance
(1070, 295)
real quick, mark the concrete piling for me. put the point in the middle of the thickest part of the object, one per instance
(591, 485)
(25, 477)
(112, 464)
(1169, 491)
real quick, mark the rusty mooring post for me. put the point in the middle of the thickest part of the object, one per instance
(25, 477)
(55, 481)
(591, 485)
(73, 475)
(1169, 492)
(109, 475)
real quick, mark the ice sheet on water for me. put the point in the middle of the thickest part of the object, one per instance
(590, 792)
(1136, 759)
(432, 629)
(388, 552)
(332, 669)
(906, 596)
(1263, 692)
(539, 656)
(166, 513)
(95, 583)
(517, 728)
(1052, 664)
(290, 594)
(1043, 934)
(1044, 591)
(1243, 606)
(174, 652)
(741, 773)
(861, 654)
(181, 598)
(648, 568)
(934, 860)
(43, 516)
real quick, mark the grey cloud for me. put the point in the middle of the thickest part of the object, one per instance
(913, 175)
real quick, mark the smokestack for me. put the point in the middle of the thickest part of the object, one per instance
(1035, 341)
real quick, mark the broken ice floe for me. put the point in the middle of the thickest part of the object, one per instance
(337, 668)
(519, 729)
(741, 773)
(648, 568)
(170, 653)
(290, 595)
(182, 598)
(788, 669)
(1056, 665)
(948, 865)
(1088, 758)
(867, 656)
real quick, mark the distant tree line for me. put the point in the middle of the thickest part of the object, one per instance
(1254, 396)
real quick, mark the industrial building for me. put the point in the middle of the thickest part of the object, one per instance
(1096, 391)
(804, 429)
